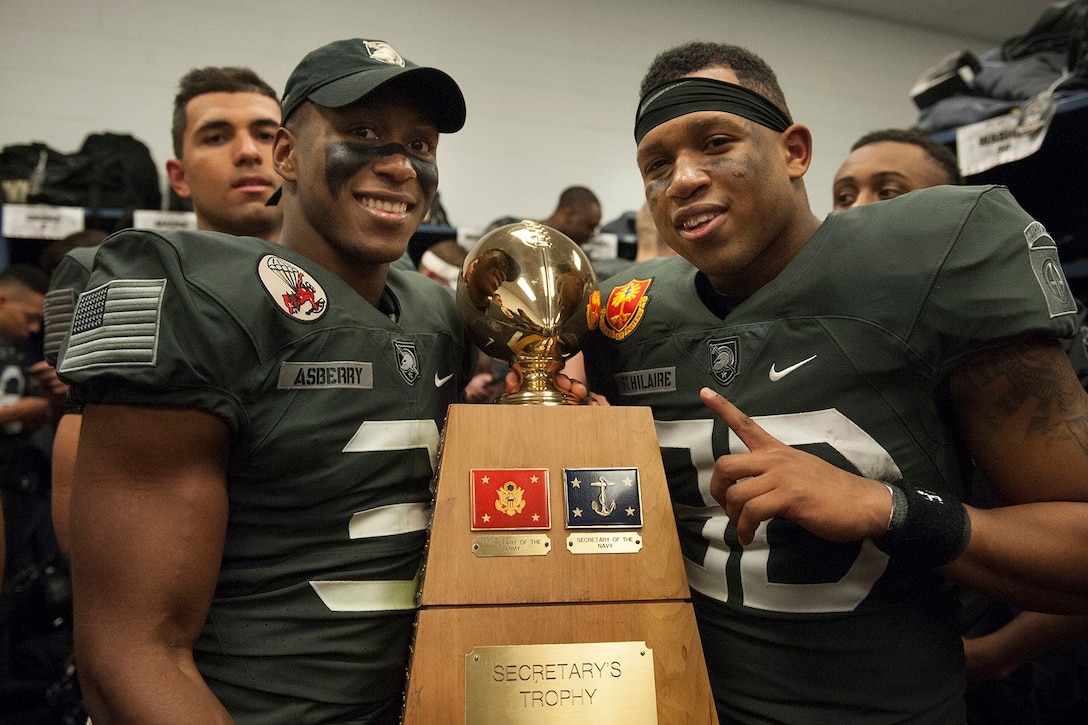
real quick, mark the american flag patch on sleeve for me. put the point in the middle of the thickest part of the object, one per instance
(116, 324)
(57, 320)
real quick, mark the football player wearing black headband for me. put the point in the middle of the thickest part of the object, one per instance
(875, 355)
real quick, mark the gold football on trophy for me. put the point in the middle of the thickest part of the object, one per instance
(524, 295)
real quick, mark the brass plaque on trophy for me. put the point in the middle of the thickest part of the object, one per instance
(511, 545)
(604, 542)
(604, 683)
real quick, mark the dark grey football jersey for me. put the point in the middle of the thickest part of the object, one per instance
(845, 355)
(334, 412)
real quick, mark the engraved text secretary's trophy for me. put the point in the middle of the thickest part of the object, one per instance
(554, 590)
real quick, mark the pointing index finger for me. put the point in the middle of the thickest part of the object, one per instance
(746, 429)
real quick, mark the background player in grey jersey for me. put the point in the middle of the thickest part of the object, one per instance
(261, 421)
(223, 123)
(872, 354)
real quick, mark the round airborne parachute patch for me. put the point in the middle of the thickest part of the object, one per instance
(291, 288)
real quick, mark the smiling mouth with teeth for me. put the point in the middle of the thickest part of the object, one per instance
(391, 206)
(696, 221)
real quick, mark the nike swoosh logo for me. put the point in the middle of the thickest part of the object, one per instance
(776, 375)
(439, 382)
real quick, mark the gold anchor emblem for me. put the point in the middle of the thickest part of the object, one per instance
(603, 509)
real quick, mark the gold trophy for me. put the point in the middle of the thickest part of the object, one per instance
(525, 568)
(528, 296)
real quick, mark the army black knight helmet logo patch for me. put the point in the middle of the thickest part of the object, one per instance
(723, 359)
(407, 362)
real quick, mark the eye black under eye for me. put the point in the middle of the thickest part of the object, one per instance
(655, 165)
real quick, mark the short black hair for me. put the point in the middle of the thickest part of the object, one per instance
(577, 197)
(939, 153)
(25, 275)
(752, 71)
(213, 79)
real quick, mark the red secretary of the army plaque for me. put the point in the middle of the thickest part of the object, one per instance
(510, 499)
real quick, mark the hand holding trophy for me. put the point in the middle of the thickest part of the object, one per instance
(528, 295)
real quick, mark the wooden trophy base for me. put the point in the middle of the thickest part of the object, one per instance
(567, 621)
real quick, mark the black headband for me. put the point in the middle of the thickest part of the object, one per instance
(688, 95)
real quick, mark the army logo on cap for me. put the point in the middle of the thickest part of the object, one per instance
(383, 52)
(624, 309)
(291, 288)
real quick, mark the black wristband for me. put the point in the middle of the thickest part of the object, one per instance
(926, 530)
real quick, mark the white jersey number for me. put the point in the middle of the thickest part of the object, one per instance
(708, 576)
(377, 596)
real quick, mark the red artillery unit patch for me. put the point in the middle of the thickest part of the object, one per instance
(624, 309)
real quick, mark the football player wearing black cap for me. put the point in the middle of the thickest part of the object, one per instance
(261, 424)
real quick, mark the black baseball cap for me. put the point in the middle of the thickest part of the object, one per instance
(344, 71)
